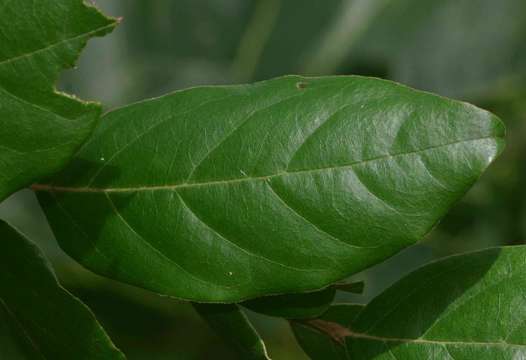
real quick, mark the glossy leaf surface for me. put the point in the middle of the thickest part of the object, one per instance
(288, 185)
(41, 129)
(40, 319)
(464, 307)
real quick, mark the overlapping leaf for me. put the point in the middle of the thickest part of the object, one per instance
(294, 306)
(40, 127)
(288, 185)
(464, 307)
(229, 321)
(40, 319)
(323, 338)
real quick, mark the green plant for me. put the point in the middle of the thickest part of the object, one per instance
(263, 196)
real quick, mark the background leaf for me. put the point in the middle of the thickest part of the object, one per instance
(229, 321)
(294, 306)
(40, 319)
(283, 43)
(467, 306)
(38, 40)
(288, 185)
(472, 49)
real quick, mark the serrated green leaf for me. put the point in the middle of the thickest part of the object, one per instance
(288, 185)
(41, 129)
(463, 307)
(229, 322)
(293, 306)
(42, 320)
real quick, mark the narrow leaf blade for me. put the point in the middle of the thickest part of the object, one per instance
(229, 321)
(51, 323)
(293, 306)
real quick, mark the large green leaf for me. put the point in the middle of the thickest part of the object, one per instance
(288, 185)
(464, 307)
(229, 321)
(41, 128)
(40, 319)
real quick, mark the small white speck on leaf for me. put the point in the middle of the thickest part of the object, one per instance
(230, 273)
(102, 158)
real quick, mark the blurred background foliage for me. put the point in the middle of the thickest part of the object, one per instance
(472, 50)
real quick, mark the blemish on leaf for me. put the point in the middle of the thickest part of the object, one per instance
(302, 85)
(335, 331)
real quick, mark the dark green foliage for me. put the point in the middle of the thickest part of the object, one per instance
(463, 307)
(40, 319)
(266, 196)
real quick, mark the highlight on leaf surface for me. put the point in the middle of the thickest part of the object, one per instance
(42, 128)
(39, 318)
(463, 307)
(227, 193)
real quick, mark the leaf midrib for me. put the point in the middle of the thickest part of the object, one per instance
(363, 336)
(88, 34)
(22, 330)
(65, 189)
